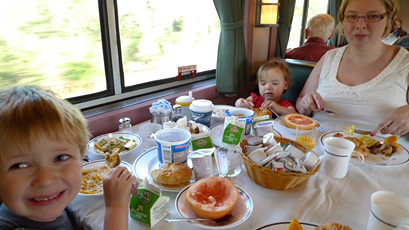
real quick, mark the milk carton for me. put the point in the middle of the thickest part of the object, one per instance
(149, 206)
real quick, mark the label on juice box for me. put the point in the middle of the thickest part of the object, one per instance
(201, 141)
(149, 206)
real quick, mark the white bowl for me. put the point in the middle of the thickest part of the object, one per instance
(218, 114)
(98, 164)
(93, 155)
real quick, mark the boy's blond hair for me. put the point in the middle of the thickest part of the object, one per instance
(27, 112)
(275, 63)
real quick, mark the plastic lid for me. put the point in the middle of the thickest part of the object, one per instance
(201, 106)
(185, 99)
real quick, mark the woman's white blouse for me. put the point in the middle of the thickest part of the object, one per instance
(367, 104)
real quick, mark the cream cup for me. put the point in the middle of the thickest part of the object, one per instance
(311, 160)
(258, 155)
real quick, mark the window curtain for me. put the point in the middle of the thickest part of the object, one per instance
(333, 8)
(286, 12)
(232, 69)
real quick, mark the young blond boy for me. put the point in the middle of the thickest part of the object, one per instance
(42, 142)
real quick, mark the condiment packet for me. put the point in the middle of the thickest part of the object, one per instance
(149, 206)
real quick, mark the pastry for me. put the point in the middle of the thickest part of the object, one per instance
(173, 174)
(332, 226)
(258, 112)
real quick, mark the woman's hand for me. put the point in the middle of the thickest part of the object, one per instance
(396, 123)
(311, 102)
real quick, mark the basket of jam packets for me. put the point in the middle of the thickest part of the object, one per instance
(278, 163)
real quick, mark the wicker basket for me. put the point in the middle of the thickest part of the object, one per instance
(273, 179)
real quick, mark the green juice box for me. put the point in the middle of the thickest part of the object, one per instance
(149, 206)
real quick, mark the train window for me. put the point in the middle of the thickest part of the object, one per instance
(94, 52)
(56, 44)
(158, 36)
(313, 7)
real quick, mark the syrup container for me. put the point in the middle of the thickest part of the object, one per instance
(185, 102)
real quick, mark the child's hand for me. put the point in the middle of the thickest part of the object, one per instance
(243, 103)
(270, 105)
(117, 187)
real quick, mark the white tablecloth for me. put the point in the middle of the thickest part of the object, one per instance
(317, 200)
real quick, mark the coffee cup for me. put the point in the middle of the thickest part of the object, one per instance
(389, 210)
(201, 111)
(338, 152)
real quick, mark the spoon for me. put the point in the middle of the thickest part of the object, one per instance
(219, 221)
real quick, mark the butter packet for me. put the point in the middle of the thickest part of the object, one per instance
(149, 206)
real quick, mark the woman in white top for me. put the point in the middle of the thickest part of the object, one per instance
(366, 82)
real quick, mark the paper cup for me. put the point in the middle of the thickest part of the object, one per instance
(202, 111)
(173, 145)
(244, 116)
(389, 210)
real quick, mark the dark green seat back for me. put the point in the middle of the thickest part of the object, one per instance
(300, 71)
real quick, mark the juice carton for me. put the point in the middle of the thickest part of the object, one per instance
(149, 206)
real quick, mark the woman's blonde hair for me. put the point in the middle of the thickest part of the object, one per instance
(27, 112)
(392, 10)
(275, 63)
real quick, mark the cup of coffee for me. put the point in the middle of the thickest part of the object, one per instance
(202, 111)
(338, 152)
(389, 210)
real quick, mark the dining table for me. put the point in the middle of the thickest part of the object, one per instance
(319, 199)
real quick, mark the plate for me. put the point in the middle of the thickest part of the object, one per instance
(284, 225)
(98, 164)
(280, 122)
(401, 156)
(241, 210)
(216, 134)
(93, 155)
(149, 161)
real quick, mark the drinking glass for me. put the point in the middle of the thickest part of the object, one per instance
(308, 138)
(228, 161)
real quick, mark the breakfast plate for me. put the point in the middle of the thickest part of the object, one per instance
(241, 210)
(216, 134)
(149, 161)
(97, 165)
(401, 156)
(284, 225)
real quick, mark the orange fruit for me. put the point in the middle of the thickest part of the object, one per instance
(392, 140)
(302, 121)
(212, 197)
(294, 225)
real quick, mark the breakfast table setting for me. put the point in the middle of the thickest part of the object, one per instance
(319, 198)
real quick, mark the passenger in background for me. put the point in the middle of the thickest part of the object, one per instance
(403, 41)
(320, 29)
(273, 79)
(43, 140)
(399, 32)
(365, 82)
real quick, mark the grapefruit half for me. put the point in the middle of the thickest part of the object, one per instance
(302, 121)
(212, 197)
